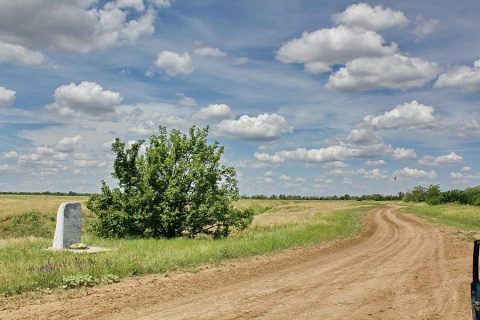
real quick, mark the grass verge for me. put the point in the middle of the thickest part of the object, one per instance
(26, 265)
(465, 218)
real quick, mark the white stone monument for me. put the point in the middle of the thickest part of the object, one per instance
(69, 225)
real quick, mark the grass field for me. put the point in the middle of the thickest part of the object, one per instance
(27, 225)
(465, 218)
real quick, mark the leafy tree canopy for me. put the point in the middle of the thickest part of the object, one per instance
(177, 188)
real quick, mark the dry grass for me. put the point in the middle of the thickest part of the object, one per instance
(298, 212)
(44, 208)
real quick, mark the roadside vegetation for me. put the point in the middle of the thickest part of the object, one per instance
(27, 266)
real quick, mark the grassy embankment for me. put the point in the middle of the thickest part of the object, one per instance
(27, 225)
(465, 218)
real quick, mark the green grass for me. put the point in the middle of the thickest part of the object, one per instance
(26, 265)
(462, 217)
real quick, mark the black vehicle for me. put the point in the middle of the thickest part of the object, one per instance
(475, 286)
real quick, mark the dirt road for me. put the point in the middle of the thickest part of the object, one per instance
(400, 268)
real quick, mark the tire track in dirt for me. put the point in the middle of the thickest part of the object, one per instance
(401, 267)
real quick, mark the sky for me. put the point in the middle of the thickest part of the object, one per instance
(308, 97)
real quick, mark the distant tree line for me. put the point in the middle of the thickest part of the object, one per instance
(374, 197)
(433, 195)
(46, 193)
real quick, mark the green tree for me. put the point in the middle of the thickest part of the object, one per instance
(433, 195)
(417, 194)
(178, 188)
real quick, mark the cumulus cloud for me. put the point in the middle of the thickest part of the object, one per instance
(88, 99)
(161, 3)
(150, 125)
(215, 111)
(19, 55)
(396, 71)
(136, 4)
(320, 49)
(461, 78)
(364, 137)
(264, 127)
(188, 101)
(423, 27)
(10, 155)
(374, 174)
(404, 154)
(408, 173)
(447, 160)
(411, 115)
(368, 62)
(67, 26)
(265, 157)
(368, 151)
(175, 63)
(210, 52)
(375, 163)
(6, 97)
(467, 128)
(362, 15)
(328, 154)
(68, 144)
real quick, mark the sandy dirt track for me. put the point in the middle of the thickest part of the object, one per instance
(401, 267)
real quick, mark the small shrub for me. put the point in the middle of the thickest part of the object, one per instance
(86, 280)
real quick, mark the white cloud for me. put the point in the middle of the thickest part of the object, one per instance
(461, 78)
(6, 97)
(67, 26)
(10, 155)
(423, 27)
(215, 111)
(262, 128)
(210, 52)
(20, 55)
(320, 49)
(408, 173)
(284, 177)
(240, 60)
(331, 153)
(364, 137)
(88, 98)
(174, 63)
(369, 151)
(467, 128)
(410, 115)
(375, 163)
(265, 157)
(68, 144)
(447, 160)
(161, 3)
(136, 4)
(404, 154)
(375, 174)
(89, 163)
(364, 16)
(187, 101)
(396, 71)
(335, 164)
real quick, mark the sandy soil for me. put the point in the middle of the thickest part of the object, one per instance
(400, 268)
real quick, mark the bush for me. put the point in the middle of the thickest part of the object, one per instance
(178, 188)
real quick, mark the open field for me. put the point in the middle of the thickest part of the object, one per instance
(25, 265)
(399, 267)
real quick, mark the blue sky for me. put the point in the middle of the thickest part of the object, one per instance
(308, 97)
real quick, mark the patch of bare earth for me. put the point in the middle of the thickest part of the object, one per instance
(401, 267)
